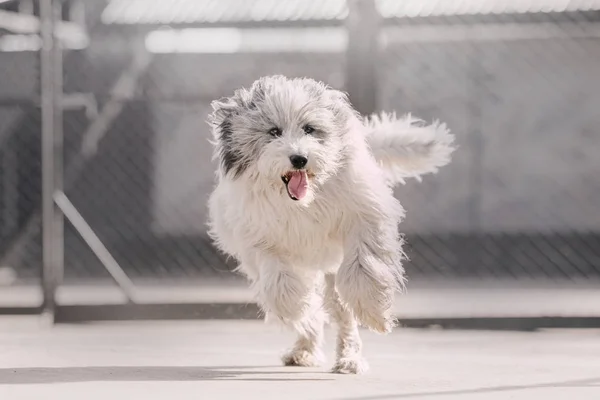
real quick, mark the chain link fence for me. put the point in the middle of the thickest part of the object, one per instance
(20, 173)
(518, 87)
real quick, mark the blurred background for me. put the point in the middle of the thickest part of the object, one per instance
(517, 81)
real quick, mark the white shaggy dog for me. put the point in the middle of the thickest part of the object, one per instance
(304, 202)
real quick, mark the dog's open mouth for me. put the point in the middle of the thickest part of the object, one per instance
(296, 183)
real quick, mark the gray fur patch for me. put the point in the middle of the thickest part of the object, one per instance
(231, 159)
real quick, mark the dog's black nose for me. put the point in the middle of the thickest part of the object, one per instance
(298, 162)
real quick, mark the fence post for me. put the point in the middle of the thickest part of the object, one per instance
(363, 26)
(52, 153)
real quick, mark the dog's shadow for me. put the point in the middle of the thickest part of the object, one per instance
(44, 375)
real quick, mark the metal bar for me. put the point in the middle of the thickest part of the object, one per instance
(76, 101)
(486, 32)
(95, 244)
(363, 26)
(21, 310)
(48, 96)
(70, 101)
(58, 223)
(67, 32)
(491, 17)
(157, 311)
(123, 88)
(476, 89)
(249, 311)
(137, 29)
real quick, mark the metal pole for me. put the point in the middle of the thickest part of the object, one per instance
(363, 26)
(58, 225)
(52, 141)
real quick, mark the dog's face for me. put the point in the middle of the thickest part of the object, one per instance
(282, 134)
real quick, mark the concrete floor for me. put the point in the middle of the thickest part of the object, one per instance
(239, 359)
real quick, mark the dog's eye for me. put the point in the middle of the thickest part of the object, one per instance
(308, 129)
(275, 132)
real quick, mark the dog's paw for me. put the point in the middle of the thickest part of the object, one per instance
(302, 358)
(351, 365)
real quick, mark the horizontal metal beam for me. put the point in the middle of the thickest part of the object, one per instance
(21, 310)
(70, 101)
(144, 28)
(200, 311)
(487, 32)
(132, 312)
(502, 323)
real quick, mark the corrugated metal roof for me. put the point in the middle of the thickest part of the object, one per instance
(129, 12)
(426, 8)
(211, 11)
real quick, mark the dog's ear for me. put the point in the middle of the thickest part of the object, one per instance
(228, 106)
(340, 105)
(222, 129)
(222, 110)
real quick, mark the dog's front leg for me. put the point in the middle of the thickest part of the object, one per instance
(372, 271)
(294, 298)
(282, 291)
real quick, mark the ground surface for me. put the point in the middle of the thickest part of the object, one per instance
(235, 359)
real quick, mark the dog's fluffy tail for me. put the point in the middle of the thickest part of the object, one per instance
(406, 147)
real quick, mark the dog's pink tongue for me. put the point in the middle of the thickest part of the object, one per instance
(298, 184)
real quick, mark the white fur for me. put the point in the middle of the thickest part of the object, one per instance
(406, 147)
(337, 250)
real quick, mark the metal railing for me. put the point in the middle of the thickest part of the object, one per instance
(118, 134)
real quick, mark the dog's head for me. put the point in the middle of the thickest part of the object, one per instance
(284, 134)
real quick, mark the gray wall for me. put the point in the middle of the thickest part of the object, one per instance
(526, 115)
(527, 118)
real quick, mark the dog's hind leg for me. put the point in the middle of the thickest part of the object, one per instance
(372, 272)
(349, 358)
